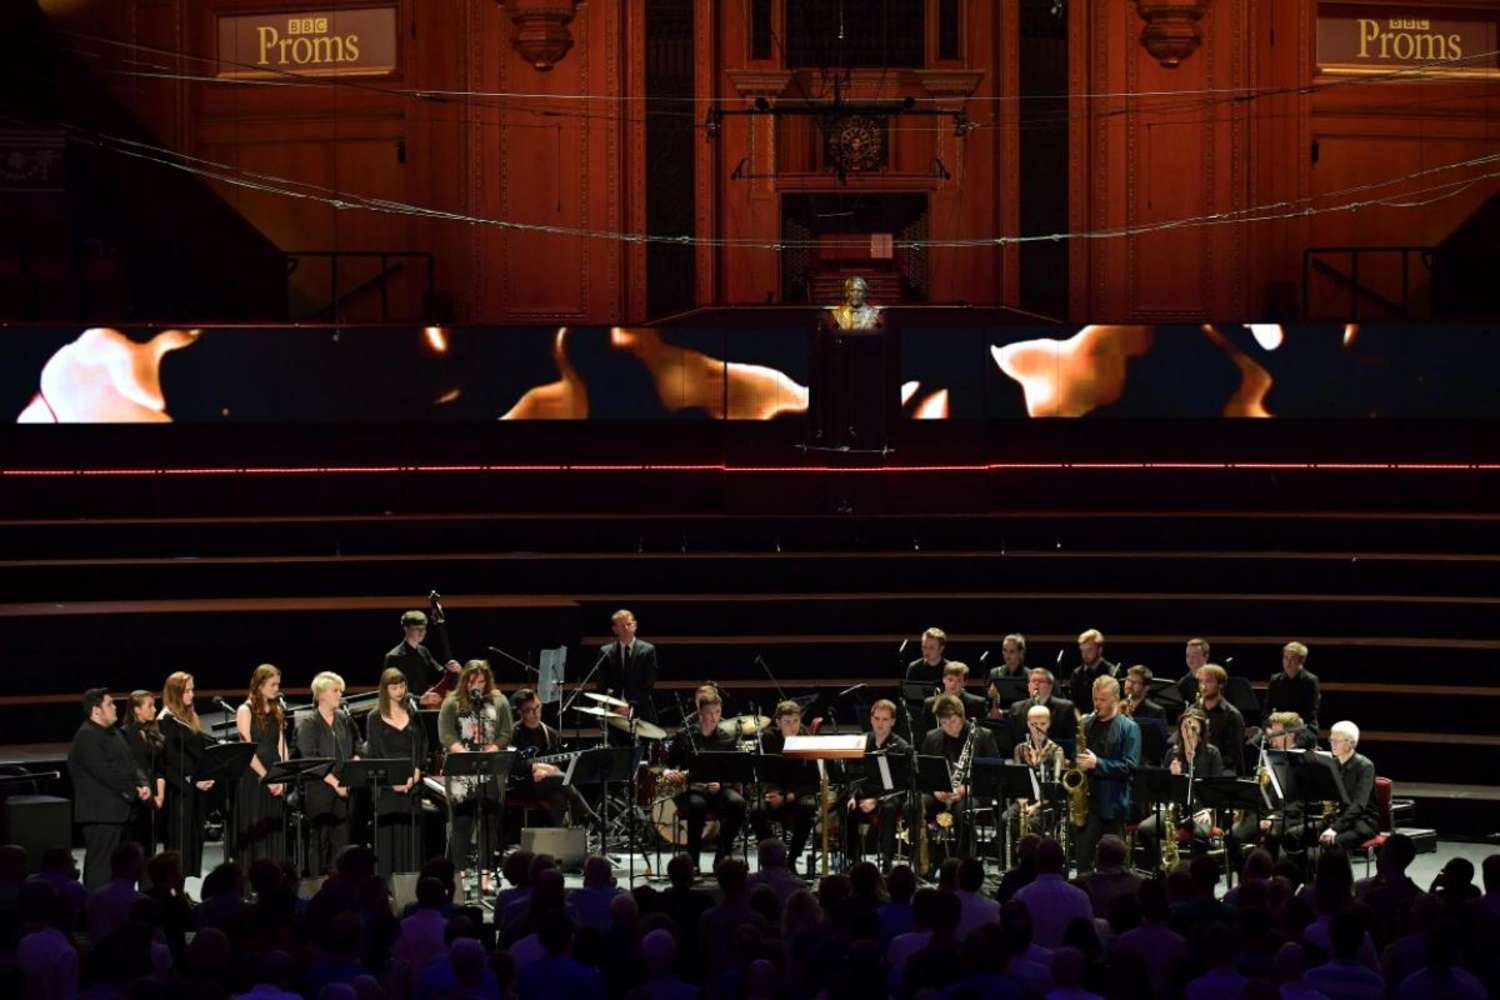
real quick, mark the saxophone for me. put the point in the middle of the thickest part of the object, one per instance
(1077, 785)
(1171, 854)
(944, 819)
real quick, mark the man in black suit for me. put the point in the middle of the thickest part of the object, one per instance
(1137, 687)
(955, 675)
(1064, 718)
(105, 783)
(1091, 667)
(1358, 820)
(629, 669)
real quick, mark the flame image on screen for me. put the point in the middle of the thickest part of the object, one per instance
(105, 377)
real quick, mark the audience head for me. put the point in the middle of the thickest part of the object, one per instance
(467, 957)
(1068, 968)
(946, 913)
(901, 883)
(517, 868)
(127, 861)
(763, 900)
(680, 871)
(1050, 859)
(431, 894)
(1396, 855)
(865, 880)
(659, 950)
(971, 875)
(1153, 896)
(772, 853)
(947, 874)
(555, 931)
(1345, 934)
(1015, 921)
(1492, 874)
(1259, 864)
(597, 873)
(1110, 853)
(1026, 849)
(731, 874)
(1291, 962)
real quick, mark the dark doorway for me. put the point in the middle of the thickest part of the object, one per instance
(670, 152)
(1044, 155)
(829, 237)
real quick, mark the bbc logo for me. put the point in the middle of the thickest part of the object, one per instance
(307, 26)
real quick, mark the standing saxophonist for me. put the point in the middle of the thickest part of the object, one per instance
(1109, 762)
(951, 739)
(475, 718)
(1043, 756)
(1190, 754)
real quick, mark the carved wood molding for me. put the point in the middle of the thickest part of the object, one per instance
(1172, 32)
(950, 86)
(760, 82)
(542, 33)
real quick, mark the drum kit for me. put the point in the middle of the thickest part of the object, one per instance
(655, 793)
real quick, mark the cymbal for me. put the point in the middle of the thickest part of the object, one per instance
(745, 725)
(606, 699)
(602, 713)
(645, 730)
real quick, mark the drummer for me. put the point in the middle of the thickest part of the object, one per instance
(706, 735)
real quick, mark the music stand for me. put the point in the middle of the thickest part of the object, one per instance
(1153, 738)
(1006, 781)
(1012, 688)
(1158, 785)
(225, 764)
(375, 773)
(1314, 778)
(607, 766)
(489, 764)
(295, 773)
(1228, 793)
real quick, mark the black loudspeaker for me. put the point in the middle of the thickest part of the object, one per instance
(37, 822)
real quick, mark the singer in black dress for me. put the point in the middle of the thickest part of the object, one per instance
(393, 731)
(327, 731)
(187, 800)
(143, 736)
(259, 808)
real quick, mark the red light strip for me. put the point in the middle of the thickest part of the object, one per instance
(328, 470)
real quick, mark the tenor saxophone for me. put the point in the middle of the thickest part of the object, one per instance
(1077, 785)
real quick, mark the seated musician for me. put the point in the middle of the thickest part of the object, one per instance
(700, 797)
(1040, 753)
(1040, 684)
(955, 676)
(790, 786)
(948, 740)
(1356, 822)
(1281, 828)
(1192, 754)
(541, 779)
(1013, 653)
(869, 802)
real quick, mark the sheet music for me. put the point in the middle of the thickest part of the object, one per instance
(885, 773)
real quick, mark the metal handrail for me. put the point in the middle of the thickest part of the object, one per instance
(1352, 278)
(334, 256)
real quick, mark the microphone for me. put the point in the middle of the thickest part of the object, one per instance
(903, 646)
(848, 691)
(984, 656)
(1060, 653)
(223, 704)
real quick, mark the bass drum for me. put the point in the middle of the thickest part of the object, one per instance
(671, 826)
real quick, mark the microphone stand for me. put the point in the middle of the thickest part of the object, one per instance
(775, 683)
(578, 688)
(914, 806)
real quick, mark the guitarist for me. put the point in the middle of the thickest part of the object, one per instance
(415, 660)
(540, 779)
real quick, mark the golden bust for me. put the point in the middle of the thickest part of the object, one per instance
(855, 313)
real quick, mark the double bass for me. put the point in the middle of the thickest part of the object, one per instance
(437, 625)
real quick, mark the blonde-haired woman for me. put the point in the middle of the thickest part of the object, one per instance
(259, 807)
(187, 797)
(393, 732)
(327, 731)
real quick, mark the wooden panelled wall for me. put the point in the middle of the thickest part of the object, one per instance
(1134, 160)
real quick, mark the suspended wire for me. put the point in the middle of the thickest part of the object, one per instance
(1281, 210)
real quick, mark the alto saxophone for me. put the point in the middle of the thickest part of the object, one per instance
(1077, 785)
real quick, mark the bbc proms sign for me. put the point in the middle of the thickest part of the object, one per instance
(1359, 39)
(355, 41)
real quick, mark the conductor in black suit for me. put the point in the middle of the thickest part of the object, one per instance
(105, 783)
(629, 669)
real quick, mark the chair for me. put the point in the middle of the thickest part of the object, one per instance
(1383, 811)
